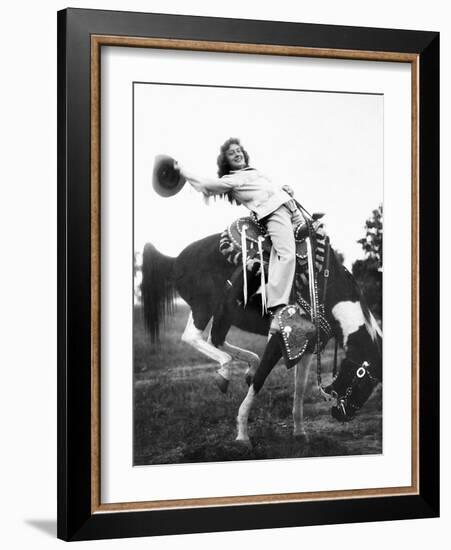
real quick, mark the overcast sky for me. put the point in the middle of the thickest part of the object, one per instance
(327, 146)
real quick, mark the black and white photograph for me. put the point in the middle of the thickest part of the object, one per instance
(225, 292)
(257, 273)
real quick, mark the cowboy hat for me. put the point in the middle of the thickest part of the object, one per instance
(166, 179)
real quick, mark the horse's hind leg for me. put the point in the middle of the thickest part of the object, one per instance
(220, 327)
(222, 321)
(192, 335)
(249, 357)
(300, 382)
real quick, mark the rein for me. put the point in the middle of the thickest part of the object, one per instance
(316, 306)
(326, 274)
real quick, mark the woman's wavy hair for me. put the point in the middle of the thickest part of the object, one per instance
(224, 166)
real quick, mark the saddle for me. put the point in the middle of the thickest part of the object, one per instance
(250, 234)
(245, 242)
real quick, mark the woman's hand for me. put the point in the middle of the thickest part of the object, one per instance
(193, 180)
(179, 167)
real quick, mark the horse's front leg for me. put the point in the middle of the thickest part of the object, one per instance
(301, 373)
(243, 415)
(271, 355)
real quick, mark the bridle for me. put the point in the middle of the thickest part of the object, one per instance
(344, 403)
(317, 312)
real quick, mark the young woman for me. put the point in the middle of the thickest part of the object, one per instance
(271, 203)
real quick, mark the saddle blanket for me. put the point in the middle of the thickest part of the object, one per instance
(258, 246)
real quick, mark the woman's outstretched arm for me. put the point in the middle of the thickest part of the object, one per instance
(207, 186)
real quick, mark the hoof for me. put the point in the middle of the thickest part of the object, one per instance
(244, 443)
(221, 382)
(301, 437)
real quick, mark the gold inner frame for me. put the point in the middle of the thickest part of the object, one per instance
(97, 41)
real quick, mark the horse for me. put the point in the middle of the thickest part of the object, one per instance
(202, 276)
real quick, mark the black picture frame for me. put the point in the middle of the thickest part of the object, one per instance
(76, 518)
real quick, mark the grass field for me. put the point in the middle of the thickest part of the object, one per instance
(181, 416)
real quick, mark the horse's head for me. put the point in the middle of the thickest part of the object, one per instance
(351, 389)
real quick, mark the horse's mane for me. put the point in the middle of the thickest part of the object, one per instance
(370, 322)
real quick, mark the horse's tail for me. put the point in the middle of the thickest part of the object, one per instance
(158, 289)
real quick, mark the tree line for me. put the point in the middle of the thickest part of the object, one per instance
(368, 272)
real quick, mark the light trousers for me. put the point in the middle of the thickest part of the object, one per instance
(282, 262)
